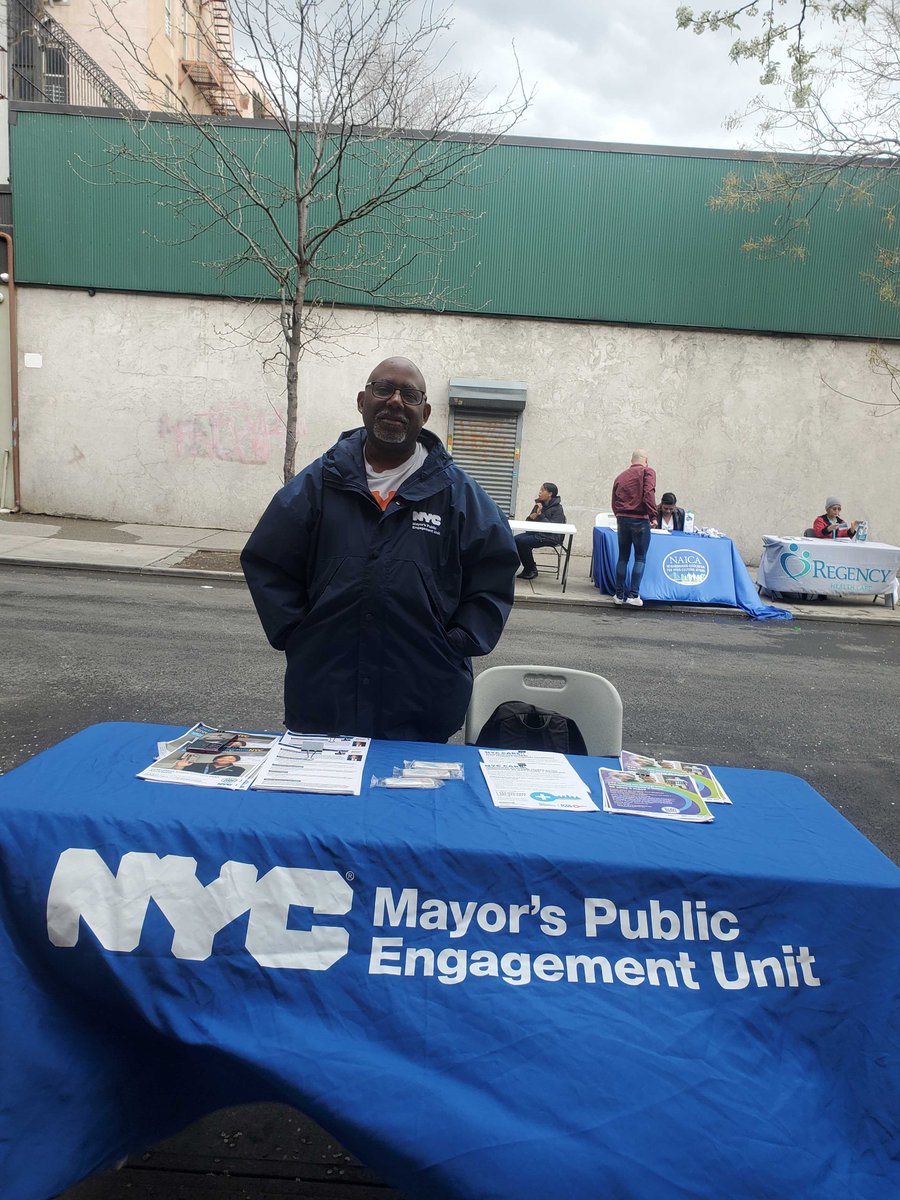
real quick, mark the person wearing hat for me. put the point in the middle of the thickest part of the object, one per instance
(831, 524)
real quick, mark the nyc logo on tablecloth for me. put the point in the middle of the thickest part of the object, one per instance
(114, 907)
(686, 567)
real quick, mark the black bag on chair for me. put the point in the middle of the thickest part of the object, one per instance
(518, 726)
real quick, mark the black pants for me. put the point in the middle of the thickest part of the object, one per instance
(527, 543)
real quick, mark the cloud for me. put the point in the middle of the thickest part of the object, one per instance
(605, 73)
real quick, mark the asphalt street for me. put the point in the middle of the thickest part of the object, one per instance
(818, 700)
(815, 699)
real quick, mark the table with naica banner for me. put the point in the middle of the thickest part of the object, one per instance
(476, 1002)
(827, 567)
(685, 568)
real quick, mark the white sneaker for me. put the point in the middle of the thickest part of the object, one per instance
(635, 602)
(617, 600)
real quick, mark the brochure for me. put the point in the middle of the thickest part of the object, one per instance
(705, 782)
(207, 757)
(665, 794)
(205, 739)
(708, 787)
(306, 762)
(534, 779)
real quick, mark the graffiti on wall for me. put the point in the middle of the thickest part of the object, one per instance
(236, 434)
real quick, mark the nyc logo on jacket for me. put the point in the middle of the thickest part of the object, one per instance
(425, 521)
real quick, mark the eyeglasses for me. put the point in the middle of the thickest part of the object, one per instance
(384, 389)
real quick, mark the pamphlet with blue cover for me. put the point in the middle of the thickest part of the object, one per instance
(666, 794)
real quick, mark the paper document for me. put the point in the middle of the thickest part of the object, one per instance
(305, 762)
(534, 779)
(708, 787)
(665, 794)
(208, 757)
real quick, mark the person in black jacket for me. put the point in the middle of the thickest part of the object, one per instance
(547, 509)
(671, 517)
(379, 570)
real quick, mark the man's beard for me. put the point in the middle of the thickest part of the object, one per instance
(390, 434)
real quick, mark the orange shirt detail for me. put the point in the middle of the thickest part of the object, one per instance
(384, 501)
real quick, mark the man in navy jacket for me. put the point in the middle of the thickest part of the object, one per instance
(380, 569)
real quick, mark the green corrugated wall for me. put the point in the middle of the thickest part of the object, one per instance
(564, 233)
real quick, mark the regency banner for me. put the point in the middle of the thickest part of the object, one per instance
(827, 567)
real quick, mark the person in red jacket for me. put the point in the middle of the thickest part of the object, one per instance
(634, 503)
(830, 524)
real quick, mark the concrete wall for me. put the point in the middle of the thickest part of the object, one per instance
(159, 410)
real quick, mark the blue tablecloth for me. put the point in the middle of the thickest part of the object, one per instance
(477, 1002)
(685, 568)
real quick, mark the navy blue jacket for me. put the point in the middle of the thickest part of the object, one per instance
(379, 612)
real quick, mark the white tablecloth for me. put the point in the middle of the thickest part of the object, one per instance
(827, 567)
(541, 527)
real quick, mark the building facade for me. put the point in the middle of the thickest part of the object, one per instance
(155, 55)
(599, 306)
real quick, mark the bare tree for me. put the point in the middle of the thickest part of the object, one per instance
(354, 192)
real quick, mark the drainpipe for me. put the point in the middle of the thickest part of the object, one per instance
(13, 381)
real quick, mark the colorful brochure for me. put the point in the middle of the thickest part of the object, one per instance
(666, 794)
(305, 762)
(535, 779)
(208, 757)
(708, 787)
(705, 782)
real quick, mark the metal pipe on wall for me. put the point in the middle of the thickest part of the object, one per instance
(13, 377)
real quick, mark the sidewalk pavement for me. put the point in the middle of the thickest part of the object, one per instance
(161, 550)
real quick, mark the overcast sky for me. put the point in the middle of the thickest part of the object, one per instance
(609, 70)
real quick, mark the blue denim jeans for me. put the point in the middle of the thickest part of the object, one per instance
(633, 531)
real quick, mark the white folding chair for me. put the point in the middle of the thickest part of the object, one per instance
(589, 700)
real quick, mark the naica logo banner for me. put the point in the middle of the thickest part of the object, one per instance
(686, 567)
